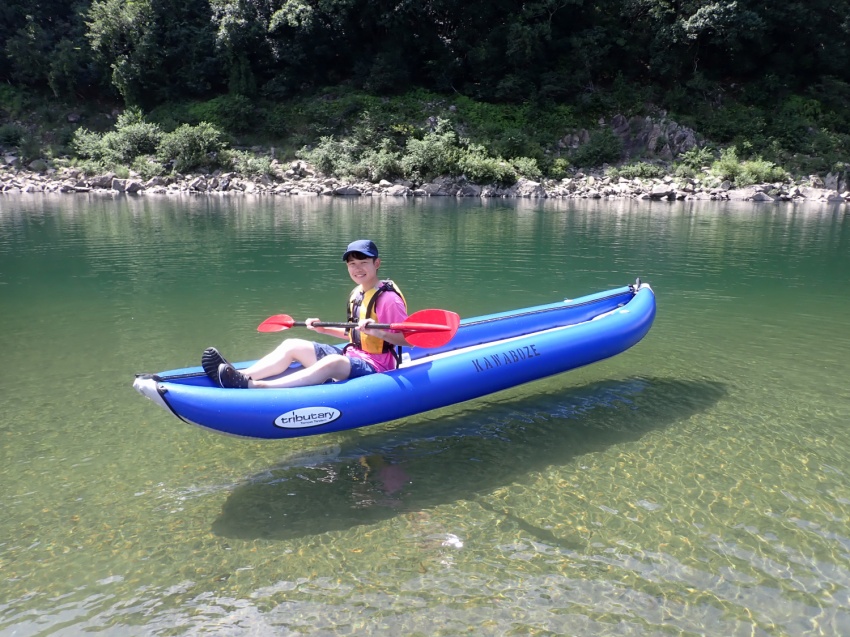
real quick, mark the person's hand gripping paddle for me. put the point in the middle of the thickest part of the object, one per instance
(425, 328)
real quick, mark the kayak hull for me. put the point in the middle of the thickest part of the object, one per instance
(488, 354)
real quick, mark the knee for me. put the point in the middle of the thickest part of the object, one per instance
(292, 345)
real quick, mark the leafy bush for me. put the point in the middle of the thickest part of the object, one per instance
(88, 145)
(246, 163)
(383, 163)
(13, 99)
(348, 158)
(734, 121)
(30, 147)
(603, 147)
(510, 130)
(131, 138)
(758, 171)
(191, 146)
(435, 154)
(639, 170)
(89, 167)
(330, 157)
(558, 168)
(696, 158)
(171, 114)
(683, 171)
(276, 120)
(479, 167)
(746, 173)
(147, 167)
(231, 112)
(727, 166)
(514, 143)
(124, 144)
(527, 167)
(11, 134)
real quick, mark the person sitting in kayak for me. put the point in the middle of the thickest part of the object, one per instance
(368, 351)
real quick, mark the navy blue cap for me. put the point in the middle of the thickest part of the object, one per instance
(363, 246)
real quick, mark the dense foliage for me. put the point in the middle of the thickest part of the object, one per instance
(496, 50)
(771, 78)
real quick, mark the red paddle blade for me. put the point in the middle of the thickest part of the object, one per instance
(433, 338)
(418, 327)
(276, 323)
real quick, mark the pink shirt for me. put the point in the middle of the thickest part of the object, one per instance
(389, 309)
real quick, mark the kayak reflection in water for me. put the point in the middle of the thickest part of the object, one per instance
(368, 351)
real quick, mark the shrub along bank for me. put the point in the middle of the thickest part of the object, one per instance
(354, 137)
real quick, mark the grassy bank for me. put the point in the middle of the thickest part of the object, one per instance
(419, 135)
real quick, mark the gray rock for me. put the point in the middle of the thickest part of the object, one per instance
(662, 191)
(102, 181)
(762, 196)
(831, 182)
(469, 190)
(398, 190)
(529, 189)
(433, 190)
(347, 191)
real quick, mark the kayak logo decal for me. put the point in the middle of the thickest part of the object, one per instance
(503, 359)
(307, 417)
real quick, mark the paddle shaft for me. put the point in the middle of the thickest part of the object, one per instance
(401, 327)
(425, 328)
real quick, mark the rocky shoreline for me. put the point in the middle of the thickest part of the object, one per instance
(299, 178)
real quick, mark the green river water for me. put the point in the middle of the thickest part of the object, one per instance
(698, 484)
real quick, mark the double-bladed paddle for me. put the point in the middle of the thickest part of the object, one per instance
(425, 328)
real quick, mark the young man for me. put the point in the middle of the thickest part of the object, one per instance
(369, 350)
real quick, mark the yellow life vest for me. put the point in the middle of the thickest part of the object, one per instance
(361, 306)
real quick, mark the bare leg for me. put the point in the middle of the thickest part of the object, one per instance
(335, 366)
(278, 361)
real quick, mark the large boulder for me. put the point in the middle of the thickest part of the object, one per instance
(529, 189)
(433, 190)
(102, 181)
(398, 190)
(347, 191)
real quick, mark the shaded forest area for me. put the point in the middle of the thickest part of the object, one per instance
(508, 79)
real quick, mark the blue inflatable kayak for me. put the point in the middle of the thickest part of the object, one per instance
(488, 354)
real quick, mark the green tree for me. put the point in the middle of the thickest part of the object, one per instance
(44, 47)
(157, 50)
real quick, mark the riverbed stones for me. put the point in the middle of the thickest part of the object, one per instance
(307, 181)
